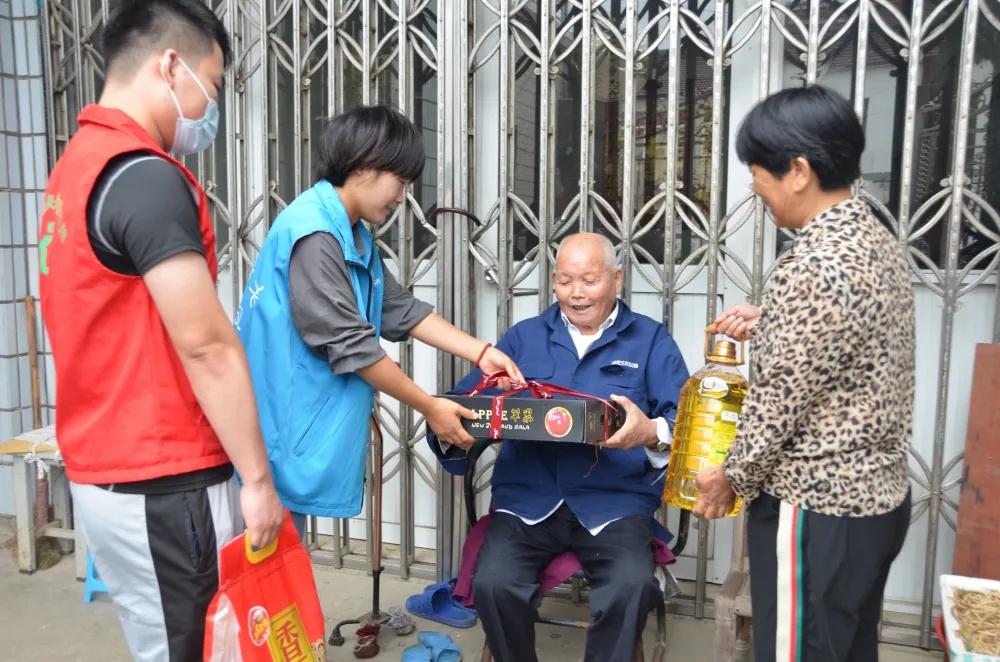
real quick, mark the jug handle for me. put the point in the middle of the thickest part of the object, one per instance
(709, 334)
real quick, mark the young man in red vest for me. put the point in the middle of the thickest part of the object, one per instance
(155, 405)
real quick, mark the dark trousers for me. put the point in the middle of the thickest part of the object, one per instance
(158, 555)
(618, 563)
(299, 520)
(816, 581)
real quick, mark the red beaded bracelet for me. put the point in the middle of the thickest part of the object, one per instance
(479, 359)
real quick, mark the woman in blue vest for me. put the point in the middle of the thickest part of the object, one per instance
(315, 306)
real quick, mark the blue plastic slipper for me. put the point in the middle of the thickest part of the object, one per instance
(436, 604)
(451, 590)
(417, 653)
(442, 648)
(450, 585)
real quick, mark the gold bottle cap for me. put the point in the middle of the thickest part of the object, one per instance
(724, 352)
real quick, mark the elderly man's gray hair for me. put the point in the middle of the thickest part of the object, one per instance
(610, 258)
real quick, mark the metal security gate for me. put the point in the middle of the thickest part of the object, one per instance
(546, 117)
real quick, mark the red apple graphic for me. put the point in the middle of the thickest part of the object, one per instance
(558, 422)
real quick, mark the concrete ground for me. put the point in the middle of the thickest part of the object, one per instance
(43, 617)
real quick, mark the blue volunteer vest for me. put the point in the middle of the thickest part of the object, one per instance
(315, 422)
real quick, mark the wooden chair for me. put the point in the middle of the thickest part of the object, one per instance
(733, 613)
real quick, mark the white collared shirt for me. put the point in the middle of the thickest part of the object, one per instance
(657, 459)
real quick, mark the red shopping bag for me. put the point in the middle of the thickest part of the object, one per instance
(267, 608)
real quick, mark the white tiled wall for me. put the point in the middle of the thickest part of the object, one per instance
(23, 169)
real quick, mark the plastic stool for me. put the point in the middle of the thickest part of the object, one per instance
(92, 583)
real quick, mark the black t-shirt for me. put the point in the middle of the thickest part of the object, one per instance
(141, 212)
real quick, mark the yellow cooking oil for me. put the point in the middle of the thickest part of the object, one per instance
(709, 409)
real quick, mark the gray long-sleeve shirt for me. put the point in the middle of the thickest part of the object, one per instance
(326, 313)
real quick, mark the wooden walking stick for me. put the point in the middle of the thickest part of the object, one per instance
(42, 480)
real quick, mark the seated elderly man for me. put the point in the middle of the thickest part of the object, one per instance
(551, 497)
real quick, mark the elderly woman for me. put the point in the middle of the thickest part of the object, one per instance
(821, 454)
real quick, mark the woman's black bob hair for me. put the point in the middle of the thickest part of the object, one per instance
(376, 138)
(814, 123)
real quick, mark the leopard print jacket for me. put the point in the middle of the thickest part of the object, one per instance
(827, 422)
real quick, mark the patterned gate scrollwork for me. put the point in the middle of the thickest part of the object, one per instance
(619, 117)
(544, 117)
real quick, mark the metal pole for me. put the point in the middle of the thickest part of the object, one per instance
(951, 287)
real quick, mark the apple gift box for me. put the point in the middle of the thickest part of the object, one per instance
(565, 419)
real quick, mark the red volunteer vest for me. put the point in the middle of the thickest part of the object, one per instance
(125, 409)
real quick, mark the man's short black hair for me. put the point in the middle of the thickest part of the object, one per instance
(138, 28)
(812, 122)
(370, 138)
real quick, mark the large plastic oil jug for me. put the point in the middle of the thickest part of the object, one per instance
(707, 415)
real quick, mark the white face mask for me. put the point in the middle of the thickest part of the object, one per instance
(194, 135)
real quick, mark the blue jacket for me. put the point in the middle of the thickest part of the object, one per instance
(635, 357)
(315, 422)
